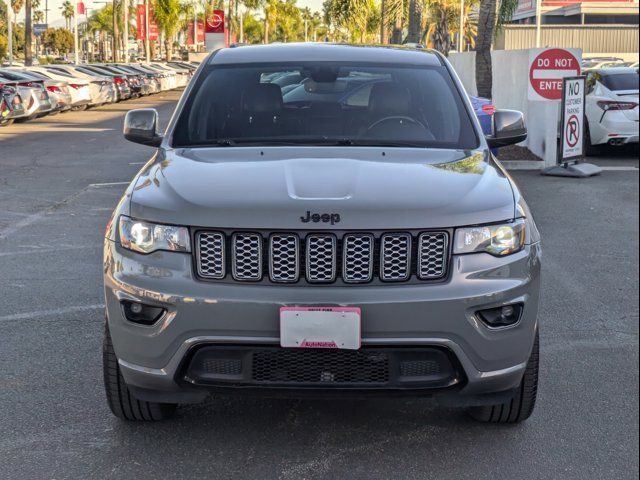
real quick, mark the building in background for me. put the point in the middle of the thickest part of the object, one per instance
(578, 12)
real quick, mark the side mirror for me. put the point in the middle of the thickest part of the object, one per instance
(141, 126)
(508, 129)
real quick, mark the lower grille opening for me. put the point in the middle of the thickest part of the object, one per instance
(320, 366)
(369, 367)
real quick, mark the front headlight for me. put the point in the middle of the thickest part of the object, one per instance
(146, 237)
(498, 240)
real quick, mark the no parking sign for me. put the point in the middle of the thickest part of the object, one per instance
(572, 125)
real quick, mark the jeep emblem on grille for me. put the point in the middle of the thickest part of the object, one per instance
(332, 218)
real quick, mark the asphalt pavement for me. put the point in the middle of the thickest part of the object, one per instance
(60, 177)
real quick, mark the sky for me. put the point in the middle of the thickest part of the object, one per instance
(56, 18)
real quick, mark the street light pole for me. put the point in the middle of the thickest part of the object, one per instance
(146, 31)
(461, 31)
(195, 27)
(126, 30)
(76, 57)
(538, 23)
(10, 32)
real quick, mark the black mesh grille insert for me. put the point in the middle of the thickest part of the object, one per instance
(320, 366)
(222, 366)
(419, 368)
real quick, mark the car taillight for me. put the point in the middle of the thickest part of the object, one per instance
(613, 105)
(489, 109)
(118, 80)
(76, 86)
(54, 89)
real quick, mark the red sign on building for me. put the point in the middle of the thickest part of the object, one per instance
(215, 22)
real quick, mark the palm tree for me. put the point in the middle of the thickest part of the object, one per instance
(396, 10)
(270, 17)
(415, 21)
(443, 20)
(492, 15)
(28, 34)
(358, 18)
(38, 16)
(17, 5)
(101, 23)
(68, 12)
(167, 14)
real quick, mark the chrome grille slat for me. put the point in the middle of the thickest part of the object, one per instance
(395, 257)
(246, 249)
(432, 255)
(210, 249)
(284, 265)
(321, 258)
(357, 258)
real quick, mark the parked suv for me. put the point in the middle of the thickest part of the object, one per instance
(352, 235)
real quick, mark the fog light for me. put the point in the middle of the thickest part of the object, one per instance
(501, 316)
(136, 308)
(140, 313)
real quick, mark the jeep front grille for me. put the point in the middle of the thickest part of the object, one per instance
(321, 258)
(210, 251)
(247, 256)
(353, 258)
(283, 259)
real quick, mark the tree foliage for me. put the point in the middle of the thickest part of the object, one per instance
(168, 15)
(58, 40)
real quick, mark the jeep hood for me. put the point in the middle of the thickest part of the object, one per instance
(250, 188)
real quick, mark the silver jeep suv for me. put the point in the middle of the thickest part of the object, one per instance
(322, 219)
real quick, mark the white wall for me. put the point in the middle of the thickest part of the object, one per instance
(510, 91)
(465, 65)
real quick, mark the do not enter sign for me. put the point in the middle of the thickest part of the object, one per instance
(547, 68)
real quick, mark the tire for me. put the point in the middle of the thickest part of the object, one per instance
(521, 406)
(589, 149)
(119, 398)
(6, 123)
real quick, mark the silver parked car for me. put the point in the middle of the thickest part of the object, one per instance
(58, 90)
(102, 89)
(34, 94)
(354, 235)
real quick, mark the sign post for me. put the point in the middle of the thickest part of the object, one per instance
(572, 132)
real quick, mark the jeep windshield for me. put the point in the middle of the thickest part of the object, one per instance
(325, 103)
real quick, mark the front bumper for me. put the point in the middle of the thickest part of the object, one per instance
(393, 316)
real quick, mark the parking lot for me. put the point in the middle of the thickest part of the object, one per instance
(60, 178)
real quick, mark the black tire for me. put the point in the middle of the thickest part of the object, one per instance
(521, 406)
(121, 402)
(589, 149)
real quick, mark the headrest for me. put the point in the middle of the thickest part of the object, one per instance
(389, 99)
(264, 97)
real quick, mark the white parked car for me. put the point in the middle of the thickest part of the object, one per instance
(593, 63)
(611, 107)
(102, 88)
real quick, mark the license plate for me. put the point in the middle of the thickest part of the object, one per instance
(320, 327)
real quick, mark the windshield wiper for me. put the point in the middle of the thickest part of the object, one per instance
(224, 142)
